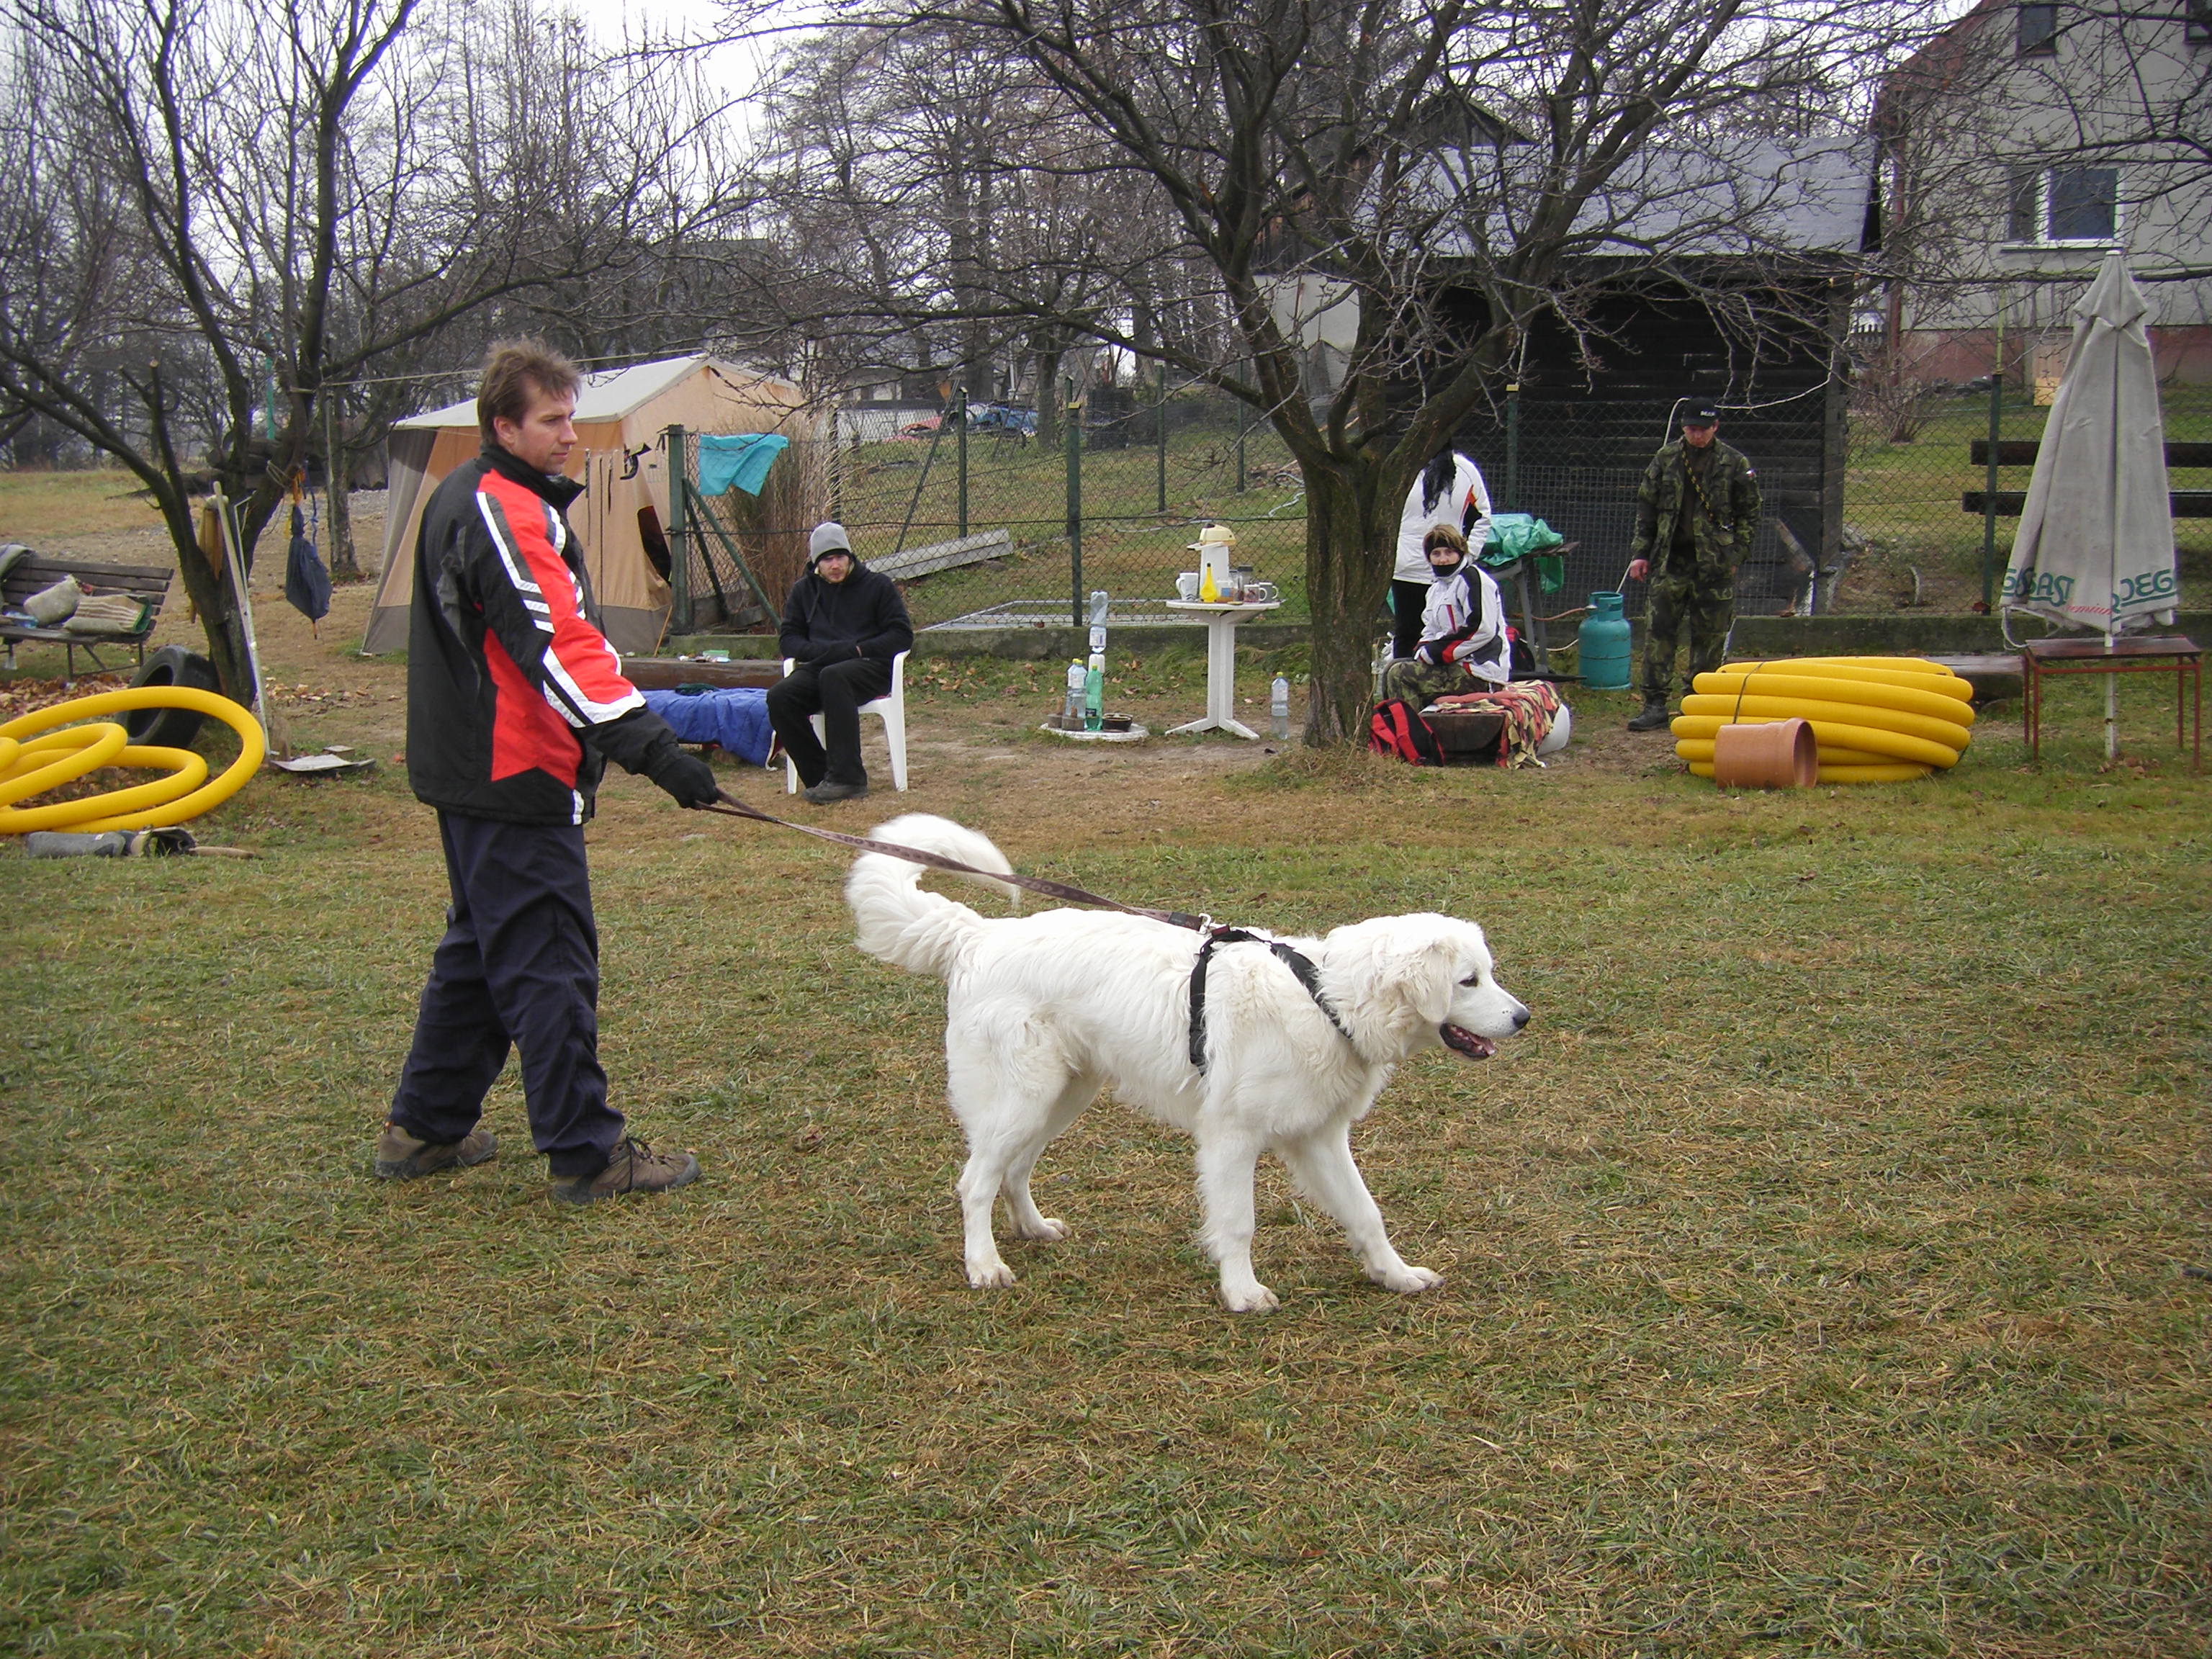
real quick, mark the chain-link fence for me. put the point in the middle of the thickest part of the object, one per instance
(995, 520)
(1922, 528)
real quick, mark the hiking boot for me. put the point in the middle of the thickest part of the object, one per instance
(1653, 717)
(400, 1156)
(825, 792)
(635, 1167)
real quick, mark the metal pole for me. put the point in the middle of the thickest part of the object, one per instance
(1160, 424)
(1074, 423)
(1989, 475)
(961, 393)
(1244, 416)
(1512, 448)
(679, 541)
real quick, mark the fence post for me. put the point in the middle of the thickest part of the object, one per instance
(1160, 432)
(960, 393)
(679, 538)
(1512, 448)
(1074, 498)
(1990, 477)
(1243, 415)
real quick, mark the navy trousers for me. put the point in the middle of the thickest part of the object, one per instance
(836, 693)
(519, 966)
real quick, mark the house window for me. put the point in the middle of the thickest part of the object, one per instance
(2063, 205)
(2024, 220)
(2084, 204)
(2036, 31)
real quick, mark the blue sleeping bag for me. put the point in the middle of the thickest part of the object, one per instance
(734, 718)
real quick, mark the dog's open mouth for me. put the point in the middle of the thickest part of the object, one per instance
(1459, 1039)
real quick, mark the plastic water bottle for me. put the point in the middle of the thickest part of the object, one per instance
(1076, 685)
(1279, 707)
(1094, 694)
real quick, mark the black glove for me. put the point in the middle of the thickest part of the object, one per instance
(688, 780)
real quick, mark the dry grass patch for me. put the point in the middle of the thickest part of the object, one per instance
(1816, 1265)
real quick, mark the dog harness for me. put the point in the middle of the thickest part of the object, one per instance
(1299, 964)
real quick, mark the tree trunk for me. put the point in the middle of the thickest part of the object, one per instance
(1345, 579)
(338, 482)
(345, 567)
(1047, 400)
(220, 616)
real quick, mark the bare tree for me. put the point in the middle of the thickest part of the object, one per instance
(221, 208)
(1433, 179)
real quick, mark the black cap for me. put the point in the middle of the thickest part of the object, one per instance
(1700, 411)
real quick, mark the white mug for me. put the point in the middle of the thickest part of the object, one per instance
(1259, 593)
(1186, 586)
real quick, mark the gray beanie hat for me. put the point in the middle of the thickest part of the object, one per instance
(828, 537)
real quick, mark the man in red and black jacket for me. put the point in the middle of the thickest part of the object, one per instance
(515, 703)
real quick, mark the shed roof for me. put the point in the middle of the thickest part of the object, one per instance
(607, 394)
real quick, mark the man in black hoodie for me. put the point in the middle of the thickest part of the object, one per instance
(841, 627)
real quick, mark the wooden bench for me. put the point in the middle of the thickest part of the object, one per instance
(35, 571)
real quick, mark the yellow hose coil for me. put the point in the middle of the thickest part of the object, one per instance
(1701, 748)
(1890, 772)
(1904, 699)
(1750, 710)
(1892, 746)
(1945, 684)
(29, 768)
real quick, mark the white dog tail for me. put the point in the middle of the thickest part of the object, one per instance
(898, 922)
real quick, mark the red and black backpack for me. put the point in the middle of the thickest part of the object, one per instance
(1396, 728)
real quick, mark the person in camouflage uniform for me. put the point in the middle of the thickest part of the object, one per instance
(1695, 513)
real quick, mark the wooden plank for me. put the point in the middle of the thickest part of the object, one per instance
(2184, 503)
(912, 562)
(2020, 451)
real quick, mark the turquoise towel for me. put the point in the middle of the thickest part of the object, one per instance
(741, 459)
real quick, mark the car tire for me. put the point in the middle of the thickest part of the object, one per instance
(170, 728)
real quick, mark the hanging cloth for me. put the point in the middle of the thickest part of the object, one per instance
(306, 581)
(740, 460)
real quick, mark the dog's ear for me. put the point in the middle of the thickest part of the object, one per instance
(1430, 971)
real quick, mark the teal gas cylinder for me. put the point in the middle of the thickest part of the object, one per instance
(1603, 657)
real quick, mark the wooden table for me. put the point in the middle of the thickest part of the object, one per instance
(1221, 622)
(2171, 653)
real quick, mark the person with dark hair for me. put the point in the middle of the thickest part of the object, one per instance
(1464, 645)
(515, 703)
(1449, 491)
(1697, 510)
(842, 626)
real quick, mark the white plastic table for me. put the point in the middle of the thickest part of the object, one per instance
(1221, 622)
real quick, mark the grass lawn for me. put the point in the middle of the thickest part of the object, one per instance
(1823, 1267)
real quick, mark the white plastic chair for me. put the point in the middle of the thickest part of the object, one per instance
(889, 708)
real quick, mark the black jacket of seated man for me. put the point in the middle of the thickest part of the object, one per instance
(842, 626)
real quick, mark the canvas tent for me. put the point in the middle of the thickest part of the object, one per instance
(620, 416)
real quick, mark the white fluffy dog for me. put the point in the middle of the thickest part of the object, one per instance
(1044, 1011)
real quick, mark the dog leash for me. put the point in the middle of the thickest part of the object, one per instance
(1301, 965)
(733, 808)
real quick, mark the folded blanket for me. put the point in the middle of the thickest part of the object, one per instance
(1529, 707)
(734, 718)
(118, 614)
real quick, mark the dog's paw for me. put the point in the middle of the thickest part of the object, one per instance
(990, 1275)
(1257, 1299)
(1045, 1229)
(1408, 1280)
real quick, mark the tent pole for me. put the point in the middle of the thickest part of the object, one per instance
(679, 538)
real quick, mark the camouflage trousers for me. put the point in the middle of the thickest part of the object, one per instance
(1680, 598)
(1420, 683)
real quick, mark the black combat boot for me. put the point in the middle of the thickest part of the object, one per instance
(1653, 717)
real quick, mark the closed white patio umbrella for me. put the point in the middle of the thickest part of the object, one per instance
(2094, 550)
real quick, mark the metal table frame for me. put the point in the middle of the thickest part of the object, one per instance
(2172, 653)
(1221, 622)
